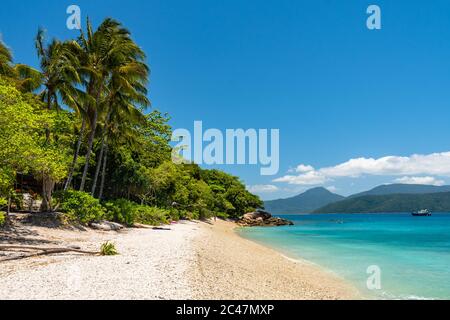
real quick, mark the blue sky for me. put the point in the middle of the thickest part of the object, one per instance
(336, 90)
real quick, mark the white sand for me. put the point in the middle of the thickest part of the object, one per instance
(151, 265)
(231, 267)
(191, 261)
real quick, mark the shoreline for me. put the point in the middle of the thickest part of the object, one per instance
(193, 260)
(232, 267)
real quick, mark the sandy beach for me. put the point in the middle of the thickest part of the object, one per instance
(230, 267)
(193, 260)
(152, 264)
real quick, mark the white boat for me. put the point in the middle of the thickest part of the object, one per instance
(422, 213)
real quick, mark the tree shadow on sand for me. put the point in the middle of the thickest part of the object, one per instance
(18, 230)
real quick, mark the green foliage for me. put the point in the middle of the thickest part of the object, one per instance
(80, 206)
(3, 202)
(2, 218)
(121, 211)
(24, 78)
(7, 177)
(198, 193)
(150, 215)
(154, 137)
(108, 249)
(128, 212)
(102, 77)
(24, 144)
(231, 198)
(6, 67)
(20, 125)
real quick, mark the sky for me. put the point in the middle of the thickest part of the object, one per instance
(355, 107)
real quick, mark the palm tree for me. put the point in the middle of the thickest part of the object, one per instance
(81, 113)
(25, 78)
(59, 72)
(122, 130)
(78, 101)
(104, 50)
(59, 80)
(6, 61)
(126, 91)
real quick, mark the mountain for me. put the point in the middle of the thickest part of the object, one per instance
(437, 202)
(402, 188)
(303, 203)
(385, 198)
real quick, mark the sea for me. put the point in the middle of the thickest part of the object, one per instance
(384, 255)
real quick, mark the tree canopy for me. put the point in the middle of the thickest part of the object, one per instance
(80, 123)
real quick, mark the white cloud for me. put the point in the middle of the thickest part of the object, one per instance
(420, 180)
(262, 188)
(332, 189)
(417, 164)
(308, 178)
(301, 168)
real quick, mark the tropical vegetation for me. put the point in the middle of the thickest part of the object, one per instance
(80, 126)
(108, 249)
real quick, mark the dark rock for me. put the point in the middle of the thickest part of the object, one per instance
(262, 219)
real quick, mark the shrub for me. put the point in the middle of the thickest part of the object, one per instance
(3, 203)
(2, 218)
(80, 206)
(150, 215)
(120, 211)
(108, 249)
(222, 215)
(175, 214)
(128, 212)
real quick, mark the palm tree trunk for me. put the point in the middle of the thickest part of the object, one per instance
(102, 149)
(89, 150)
(97, 169)
(76, 154)
(102, 183)
(91, 136)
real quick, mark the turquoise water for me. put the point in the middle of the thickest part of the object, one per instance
(412, 253)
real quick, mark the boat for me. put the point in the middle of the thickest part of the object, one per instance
(422, 213)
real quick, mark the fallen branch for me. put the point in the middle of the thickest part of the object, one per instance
(160, 228)
(44, 250)
(47, 252)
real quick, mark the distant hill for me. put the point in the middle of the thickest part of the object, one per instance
(303, 203)
(385, 198)
(437, 202)
(402, 188)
